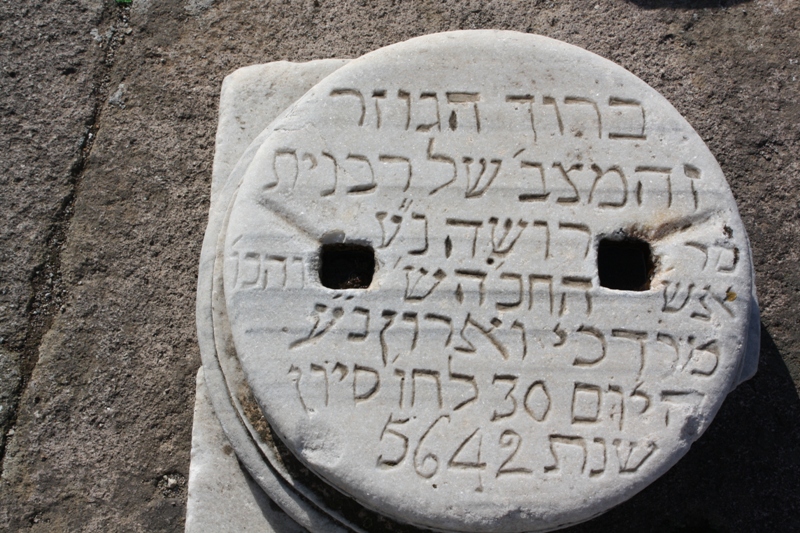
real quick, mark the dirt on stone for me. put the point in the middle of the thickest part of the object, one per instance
(107, 118)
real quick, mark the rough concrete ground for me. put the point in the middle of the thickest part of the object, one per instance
(108, 116)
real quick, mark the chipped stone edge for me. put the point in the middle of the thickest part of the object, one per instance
(222, 496)
(251, 97)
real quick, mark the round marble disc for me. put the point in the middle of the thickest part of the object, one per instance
(487, 281)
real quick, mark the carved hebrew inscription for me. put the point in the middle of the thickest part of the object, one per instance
(486, 357)
(476, 282)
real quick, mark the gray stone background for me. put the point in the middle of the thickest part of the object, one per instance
(107, 123)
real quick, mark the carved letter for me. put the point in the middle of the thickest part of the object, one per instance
(360, 335)
(537, 401)
(565, 440)
(533, 279)
(508, 439)
(633, 132)
(370, 185)
(318, 330)
(386, 238)
(486, 332)
(447, 320)
(420, 466)
(474, 224)
(579, 283)
(438, 123)
(297, 374)
(663, 171)
(518, 287)
(277, 167)
(359, 394)
(474, 189)
(538, 196)
(464, 98)
(441, 158)
(425, 373)
(328, 192)
(575, 198)
(512, 381)
(583, 228)
(599, 445)
(586, 403)
(468, 464)
(577, 100)
(527, 99)
(389, 463)
(413, 292)
(474, 275)
(580, 359)
(321, 369)
(632, 455)
(357, 94)
(611, 172)
(503, 242)
(398, 159)
(704, 359)
(424, 219)
(549, 100)
(674, 302)
(637, 336)
(378, 94)
(466, 378)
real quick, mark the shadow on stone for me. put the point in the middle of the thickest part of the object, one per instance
(743, 474)
(277, 519)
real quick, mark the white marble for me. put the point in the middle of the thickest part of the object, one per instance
(222, 496)
(251, 98)
(486, 380)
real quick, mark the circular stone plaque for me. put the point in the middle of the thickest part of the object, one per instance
(486, 281)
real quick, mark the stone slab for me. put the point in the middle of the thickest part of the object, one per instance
(222, 497)
(251, 97)
(674, 197)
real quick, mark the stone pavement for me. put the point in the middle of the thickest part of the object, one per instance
(108, 121)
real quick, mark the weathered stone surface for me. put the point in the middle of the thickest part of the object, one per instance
(234, 405)
(647, 383)
(222, 497)
(48, 102)
(250, 99)
(108, 410)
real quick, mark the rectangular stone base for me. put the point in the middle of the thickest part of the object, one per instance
(222, 495)
(223, 498)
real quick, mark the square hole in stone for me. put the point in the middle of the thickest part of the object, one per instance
(346, 266)
(625, 264)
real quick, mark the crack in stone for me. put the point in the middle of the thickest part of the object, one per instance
(48, 293)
